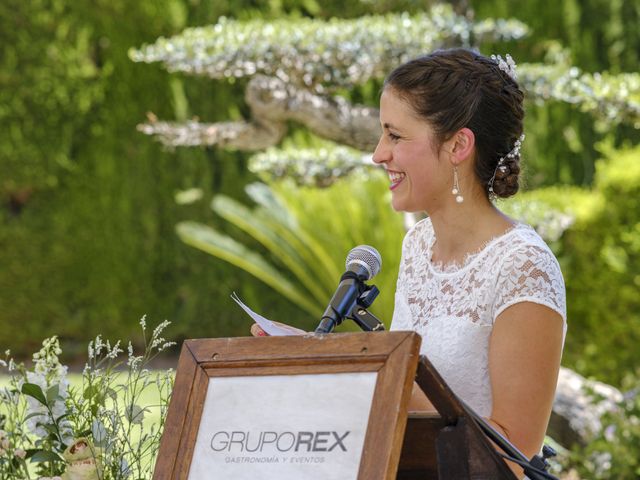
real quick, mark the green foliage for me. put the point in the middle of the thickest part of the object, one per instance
(303, 251)
(321, 55)
(319, 167)
(594, 36)
(344, 53)
(87, 210)
(49, 84)
(613, 453)
(600, 258)
(600, 34)
(602, 271)
(614, 99)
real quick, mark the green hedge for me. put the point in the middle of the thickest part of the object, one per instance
(600, 259)
(602, 255)
(87, 241)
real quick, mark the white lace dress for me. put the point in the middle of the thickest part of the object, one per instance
(454, 308)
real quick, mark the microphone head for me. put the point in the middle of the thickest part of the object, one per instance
(366, 259)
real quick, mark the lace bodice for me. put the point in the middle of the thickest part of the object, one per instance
(454, 308)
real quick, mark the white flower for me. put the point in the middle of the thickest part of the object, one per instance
(160, 328)
(112, 353)
(98, 345)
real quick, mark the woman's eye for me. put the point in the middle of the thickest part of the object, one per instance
(393, 136)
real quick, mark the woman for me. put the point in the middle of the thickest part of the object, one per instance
(484, 291)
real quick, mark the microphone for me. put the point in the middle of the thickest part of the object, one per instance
(363, 263)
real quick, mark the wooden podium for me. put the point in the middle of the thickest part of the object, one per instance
(317, 407)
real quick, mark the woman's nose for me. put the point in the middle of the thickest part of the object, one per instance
(381, 154)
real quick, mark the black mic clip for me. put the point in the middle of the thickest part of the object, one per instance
(359, 313)
(368, 295)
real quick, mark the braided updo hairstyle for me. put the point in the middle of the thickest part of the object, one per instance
(458, 88)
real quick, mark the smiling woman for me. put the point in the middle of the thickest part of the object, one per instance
(484, 291)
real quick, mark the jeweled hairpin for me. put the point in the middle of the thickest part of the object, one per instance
(507, 65)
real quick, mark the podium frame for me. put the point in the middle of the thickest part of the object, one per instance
(449, 445)
(392, 355)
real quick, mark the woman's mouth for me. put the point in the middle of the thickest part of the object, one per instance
(395, 178)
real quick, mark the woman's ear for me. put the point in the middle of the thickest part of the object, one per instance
(461, 146)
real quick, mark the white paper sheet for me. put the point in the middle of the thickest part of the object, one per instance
(271, 328)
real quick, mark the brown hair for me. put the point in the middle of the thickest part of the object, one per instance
(458, 88)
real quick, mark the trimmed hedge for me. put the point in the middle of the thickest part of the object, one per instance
(600, 259)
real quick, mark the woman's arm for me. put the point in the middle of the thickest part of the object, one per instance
(524, 360)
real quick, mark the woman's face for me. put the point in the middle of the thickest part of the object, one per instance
(407, 151)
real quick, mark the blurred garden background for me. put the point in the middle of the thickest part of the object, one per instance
(140, 174)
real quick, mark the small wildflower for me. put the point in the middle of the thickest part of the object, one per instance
(161, 326)
(112, 353)
(20, 453)
(98, 345)
(143, 322)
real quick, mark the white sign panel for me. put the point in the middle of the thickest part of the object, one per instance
(283, 427)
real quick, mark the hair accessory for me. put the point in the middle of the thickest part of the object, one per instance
(500, 166)
(507, 65)
(456, 187)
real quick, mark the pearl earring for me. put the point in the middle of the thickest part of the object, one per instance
(456, 186)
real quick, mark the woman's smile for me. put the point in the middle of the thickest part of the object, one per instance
(395, 178)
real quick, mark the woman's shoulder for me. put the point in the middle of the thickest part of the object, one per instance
(526, 239)
(526, 251)
(529, 271)
(421, 229)
(419, 235)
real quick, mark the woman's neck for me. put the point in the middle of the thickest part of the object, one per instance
(462, 229)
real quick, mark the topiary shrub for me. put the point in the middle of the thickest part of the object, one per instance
(600, 258)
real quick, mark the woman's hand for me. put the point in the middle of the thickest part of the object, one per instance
(256, 331)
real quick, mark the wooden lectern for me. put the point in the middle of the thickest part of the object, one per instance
(317, 406)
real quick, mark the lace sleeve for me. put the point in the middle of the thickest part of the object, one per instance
(531, 274)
